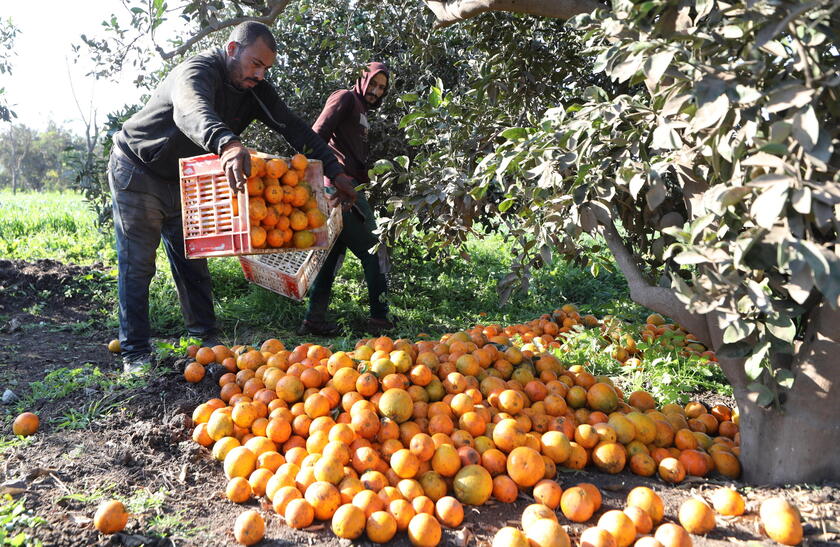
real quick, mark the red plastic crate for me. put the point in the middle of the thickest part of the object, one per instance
(211, 228)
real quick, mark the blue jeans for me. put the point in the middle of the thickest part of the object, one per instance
(356, 235)
(146, 209)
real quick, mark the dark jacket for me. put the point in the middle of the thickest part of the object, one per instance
(196, 110)
(343, 124)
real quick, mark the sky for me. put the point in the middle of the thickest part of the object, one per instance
(39, 89)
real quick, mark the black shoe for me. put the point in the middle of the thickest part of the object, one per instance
(377, 325)
(208, 339)
(318, 328)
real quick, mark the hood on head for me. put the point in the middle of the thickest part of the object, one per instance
(362, 83)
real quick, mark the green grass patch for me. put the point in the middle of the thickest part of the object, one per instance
(13, 517)
(55, 225)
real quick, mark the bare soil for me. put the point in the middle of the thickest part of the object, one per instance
(50, 317)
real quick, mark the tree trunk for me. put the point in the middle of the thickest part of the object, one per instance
(799, 442)
(794, 444)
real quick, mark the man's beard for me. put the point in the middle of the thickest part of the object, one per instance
(236, 73)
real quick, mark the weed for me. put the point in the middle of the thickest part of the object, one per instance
(100, 493)
(166, 350)
(88, 415)
(144, 501)
(13, 517)
(61, 382)
(173, 525)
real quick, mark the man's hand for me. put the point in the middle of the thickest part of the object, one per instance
(345, 193)
(236, 164)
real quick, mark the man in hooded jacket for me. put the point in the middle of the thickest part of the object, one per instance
(343, 124)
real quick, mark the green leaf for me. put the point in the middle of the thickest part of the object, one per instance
(760, 394)
(656, 65)
(784, 377)
(738, 350)
(506, 204)
(737, 330)
(409, 97)
(754, 364)
(767, 207)
(782, 328)
(435, 96)
(515, 133)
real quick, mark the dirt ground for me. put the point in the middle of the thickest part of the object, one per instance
(140, 449)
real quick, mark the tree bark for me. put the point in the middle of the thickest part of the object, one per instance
(451, 12)
(799, 442)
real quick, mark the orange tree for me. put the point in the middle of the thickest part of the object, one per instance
(711, 175)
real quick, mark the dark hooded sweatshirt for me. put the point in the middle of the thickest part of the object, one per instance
(196, 109)
(343, 123)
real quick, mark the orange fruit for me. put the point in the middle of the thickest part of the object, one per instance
(671, 470)
(110, 517)
(424, 530)
(381, 527)
(276, 168)
(348, 522)
(299, 513)
(781, 521)
(274, 238)
(299, 162)
(324, 498)
(257, 210)
(25, 424)
(696, 516)
(238, 490)
(672, 535)
(290, 178)
(316, 218)
(303, 239)
(282, 496)
(620, 526)
(728, 502)
(525, 466)
(641, 519)
(646, 499)
(194, 372)
(239, 462)
(609, 457)
(473, 485)
(510, 537)
(576, 504)
(535, 512)
(255, 186)
(548, 492)
(596, 537)
(547, 533)
(449, 511)
(403, 512)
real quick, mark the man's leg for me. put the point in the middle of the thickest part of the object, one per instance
(359, 238)
(192, 277)
(138, 218)
(315, 320)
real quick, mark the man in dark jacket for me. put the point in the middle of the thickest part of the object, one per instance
(202, 105)
(343, 124)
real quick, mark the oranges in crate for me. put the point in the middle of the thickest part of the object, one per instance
(282, 206)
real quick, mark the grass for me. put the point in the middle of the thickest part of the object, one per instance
(13, 517)
(56, 225)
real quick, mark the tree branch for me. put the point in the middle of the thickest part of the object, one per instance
(277, 8)
(659, 299)
(451, 12)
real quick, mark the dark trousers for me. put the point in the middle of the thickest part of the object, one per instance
(145, 210)
(356, 235)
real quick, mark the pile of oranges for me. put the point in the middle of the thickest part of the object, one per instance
(398, 435)
(281, 206)
(669, 336)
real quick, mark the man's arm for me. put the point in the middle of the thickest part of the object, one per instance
(193, 111)
(275, 114)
